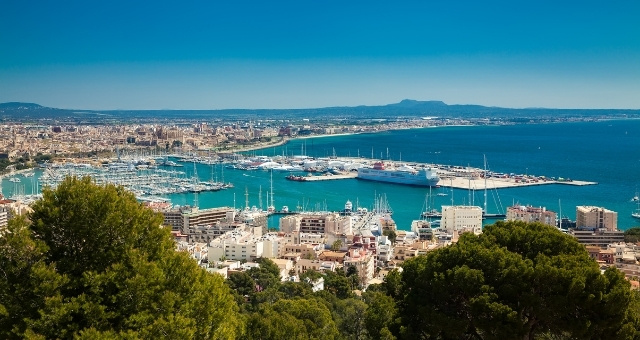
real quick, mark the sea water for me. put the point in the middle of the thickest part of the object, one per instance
(606, 152)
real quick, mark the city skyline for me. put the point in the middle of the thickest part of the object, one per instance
(280, 55)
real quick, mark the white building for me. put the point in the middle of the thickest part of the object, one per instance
(272, 245)
(236, 245)
(460, 218)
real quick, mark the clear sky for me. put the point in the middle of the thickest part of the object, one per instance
(299, 54)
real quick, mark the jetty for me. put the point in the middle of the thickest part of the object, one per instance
(459, 181)
(457, 177)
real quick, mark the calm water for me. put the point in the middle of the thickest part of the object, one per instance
(605, 152)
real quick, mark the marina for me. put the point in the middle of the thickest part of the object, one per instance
(459, 184)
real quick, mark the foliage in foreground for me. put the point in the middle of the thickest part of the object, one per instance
(91, 262)
(516, 280)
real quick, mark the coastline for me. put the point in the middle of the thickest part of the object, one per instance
(283, 141)
(334, 135)
(286, 140)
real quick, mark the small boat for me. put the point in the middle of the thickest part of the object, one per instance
(14, 179)
(296, 178)
(636, 213)
(442, 194)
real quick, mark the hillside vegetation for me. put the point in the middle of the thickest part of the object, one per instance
(90, 262)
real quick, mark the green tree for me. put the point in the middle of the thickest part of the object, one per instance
(336, 245)
(349, 316)
(391, 234)
(292, 319)
(269, 266)
(91, 262)
(632, 235)
(272, 325)
(337, 284)
(381, 314)
(392, 284)
(295, 289)
(242, 283)
(516, 280)
(311, 274)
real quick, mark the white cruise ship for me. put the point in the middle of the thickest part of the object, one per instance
(409, 176)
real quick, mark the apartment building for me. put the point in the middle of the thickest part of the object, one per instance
(461, 217)
(363, 262)
(316, 223)
(596, 217)
(235, 245)
(195, 216)
(531, 214)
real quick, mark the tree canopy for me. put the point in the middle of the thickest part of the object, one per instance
(632, 235)
(91, 262)
(516, 280)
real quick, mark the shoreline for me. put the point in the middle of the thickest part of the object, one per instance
(283, 141)
(286, 140)
(332, 135)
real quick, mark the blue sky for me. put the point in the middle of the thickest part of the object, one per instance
(301, 54)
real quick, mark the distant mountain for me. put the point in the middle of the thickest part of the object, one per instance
(19, 106)
(407, 108)
(412, 104)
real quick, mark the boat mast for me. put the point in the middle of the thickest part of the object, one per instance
(469, 178)
(560, 219)
(451, 191)
(246, 197)
(272, 204)
(485, 184)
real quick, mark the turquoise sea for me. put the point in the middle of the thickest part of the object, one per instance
(607, 152)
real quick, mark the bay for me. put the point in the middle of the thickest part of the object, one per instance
(607, 152)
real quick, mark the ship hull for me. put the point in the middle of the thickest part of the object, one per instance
(423, 178)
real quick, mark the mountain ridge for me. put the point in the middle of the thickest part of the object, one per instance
(406, 108)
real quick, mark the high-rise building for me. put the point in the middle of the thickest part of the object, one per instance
(596, 217)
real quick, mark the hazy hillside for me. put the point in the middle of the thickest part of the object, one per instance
(405, 109)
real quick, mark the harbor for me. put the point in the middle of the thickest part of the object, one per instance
(462, 185)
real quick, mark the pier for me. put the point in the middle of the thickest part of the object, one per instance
(459, 181)
(452, 177)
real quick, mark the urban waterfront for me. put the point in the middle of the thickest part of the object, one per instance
(607, 152)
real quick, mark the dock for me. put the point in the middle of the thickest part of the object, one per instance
(478, 183)
(466, 178)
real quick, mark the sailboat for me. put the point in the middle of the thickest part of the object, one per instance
(430, 213)
(636, 213)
